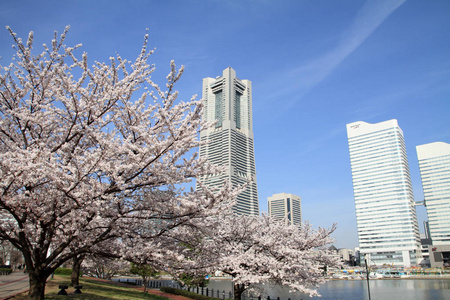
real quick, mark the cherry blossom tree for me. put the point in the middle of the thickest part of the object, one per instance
(9, 254)
(104, 268)
(91, 155)
(260, 249)
(77, 261)
(145, 271)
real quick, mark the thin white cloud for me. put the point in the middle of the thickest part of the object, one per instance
(306, 77)
(311, 145)
(367, 20)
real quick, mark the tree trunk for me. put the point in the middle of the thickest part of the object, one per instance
(145, 281)
(238, 290)
(76, 267)
(37, 285)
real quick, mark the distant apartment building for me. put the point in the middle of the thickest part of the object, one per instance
(286, 207)
(347, 256)
(385, 209)
(434, 164)
(228, 102)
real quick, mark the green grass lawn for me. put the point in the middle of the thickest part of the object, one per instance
(92, 290)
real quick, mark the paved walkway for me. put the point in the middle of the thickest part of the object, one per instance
(170, 296)
(13, 284)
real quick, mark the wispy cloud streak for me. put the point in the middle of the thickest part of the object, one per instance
(306, 77)
(367, 20)
(371, 15)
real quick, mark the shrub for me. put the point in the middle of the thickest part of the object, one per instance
(5, 271)
(63, 271)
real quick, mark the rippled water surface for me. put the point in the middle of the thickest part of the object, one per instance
(407, 289)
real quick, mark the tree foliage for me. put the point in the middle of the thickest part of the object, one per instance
(193, 280)
(145, 271)
(94, 161)
(260, 249)
(9, 254)
(104, 268)
(89, 156)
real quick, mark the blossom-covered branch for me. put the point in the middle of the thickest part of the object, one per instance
(90, 155)
(260, 249)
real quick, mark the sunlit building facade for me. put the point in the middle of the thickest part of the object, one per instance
(385, 209)
(285, 207)
(228, 102)
(434, 164)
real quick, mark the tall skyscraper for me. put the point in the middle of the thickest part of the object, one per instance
(434, 164)
(228, 101)
(285, 207)
(385, 210)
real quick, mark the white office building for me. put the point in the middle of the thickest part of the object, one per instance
(228, 101)
(385, 210)
(434, 164)
(286, 207)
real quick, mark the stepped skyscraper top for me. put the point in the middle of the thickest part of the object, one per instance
(228, 102)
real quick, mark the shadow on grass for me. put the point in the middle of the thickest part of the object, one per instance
(92, 290)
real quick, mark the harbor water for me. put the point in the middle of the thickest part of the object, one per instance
(386, 289)
(381, 289)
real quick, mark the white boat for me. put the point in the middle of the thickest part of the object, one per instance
(376, 275)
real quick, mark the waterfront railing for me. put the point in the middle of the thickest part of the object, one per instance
(205, 291)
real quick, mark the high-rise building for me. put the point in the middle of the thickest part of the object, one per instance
(285, 207)
(385, 209)
(228, 102)
(434, 164)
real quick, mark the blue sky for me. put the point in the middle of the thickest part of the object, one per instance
(316, 65)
